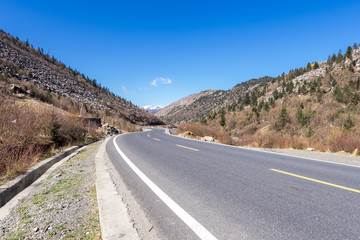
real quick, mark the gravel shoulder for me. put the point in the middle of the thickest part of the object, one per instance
(62, 206)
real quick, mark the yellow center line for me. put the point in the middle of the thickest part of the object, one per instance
(187, 147)
(318, 181)
(156, 139)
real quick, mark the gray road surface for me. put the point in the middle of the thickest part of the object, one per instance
(238, 193)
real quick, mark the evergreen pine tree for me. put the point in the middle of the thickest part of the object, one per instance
(310, 132)
(351, 68)
(329, 61)
(247, 99)
(283, 118)
(53, 128)
(272, 102)
(308, 66)
(266, 106)
(300, 115)
(339, 57)
(338, 94)
(222, 119)
(355, 99)
(319, 94)
(253, 99)
(333, 58)
(316, 65)
(333, 83)
(348, 52)
(275, 94)
(348, 124)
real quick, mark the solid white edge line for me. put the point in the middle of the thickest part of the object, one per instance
(198, 229)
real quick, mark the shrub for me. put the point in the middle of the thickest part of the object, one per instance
(20, 142)
(26, 137)
(347, 143)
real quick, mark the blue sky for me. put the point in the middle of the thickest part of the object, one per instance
(156, 52)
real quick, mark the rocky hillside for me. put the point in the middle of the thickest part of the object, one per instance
(20, 61)
(314, 106)
(186, 108)
(195, 106)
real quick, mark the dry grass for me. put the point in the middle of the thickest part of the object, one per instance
(201, 130)
(17, 138)
(27, 136)
(348, 143)
(326, 139)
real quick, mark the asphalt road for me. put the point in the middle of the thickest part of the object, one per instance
(234, 193)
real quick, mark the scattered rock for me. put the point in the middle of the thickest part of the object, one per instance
(188, 134)
(355, 152)
(208, 139)
(109, 130)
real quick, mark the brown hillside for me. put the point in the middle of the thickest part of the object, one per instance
(316, 106)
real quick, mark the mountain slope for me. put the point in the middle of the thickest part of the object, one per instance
(21, 61)
(185, 108)
(316, 106)
(196, 106)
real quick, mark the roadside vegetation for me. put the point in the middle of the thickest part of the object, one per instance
(312, 107)
(35, 124)
(27, 136)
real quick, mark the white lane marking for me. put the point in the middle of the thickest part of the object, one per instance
(199, 230)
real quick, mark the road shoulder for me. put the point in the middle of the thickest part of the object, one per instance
(114, 220)
(61, 204)
(135, 213)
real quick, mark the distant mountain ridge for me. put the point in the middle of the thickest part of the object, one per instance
(152, 109)
(195, 106)
(19, 60)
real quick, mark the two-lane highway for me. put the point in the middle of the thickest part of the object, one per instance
(191, 189)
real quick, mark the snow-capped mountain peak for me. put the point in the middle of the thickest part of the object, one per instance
(152, 109)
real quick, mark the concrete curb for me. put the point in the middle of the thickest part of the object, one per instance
(115, 222)
(12, 188)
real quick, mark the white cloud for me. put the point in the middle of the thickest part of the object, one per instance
(160, 80)
(124, 88)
